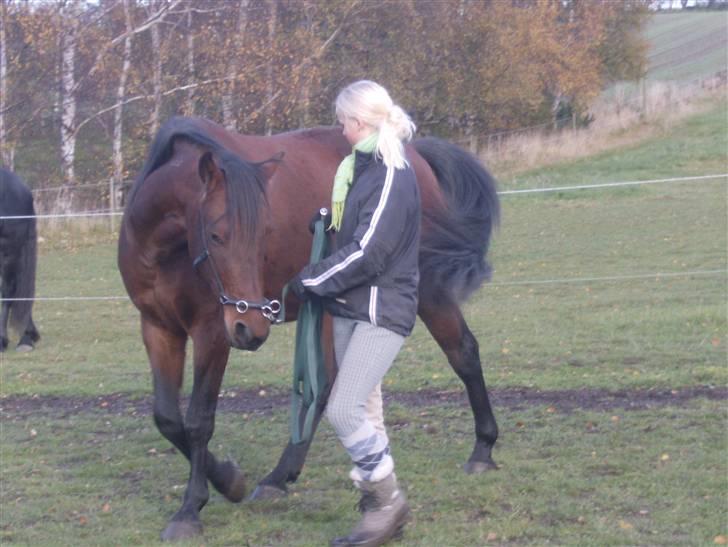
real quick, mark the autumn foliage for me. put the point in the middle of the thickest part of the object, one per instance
(261, 66)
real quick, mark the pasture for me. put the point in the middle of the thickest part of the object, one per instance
(603, 338)
(686, 46)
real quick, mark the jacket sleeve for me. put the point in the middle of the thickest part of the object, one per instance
(381, 221)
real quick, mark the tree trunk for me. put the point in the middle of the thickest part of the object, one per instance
(270, 86)
(228, 115)
(156, 80)
(118, 155)
(69, 35)
(190, 102)
(5, 155)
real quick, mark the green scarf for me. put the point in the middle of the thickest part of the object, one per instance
(345, 176)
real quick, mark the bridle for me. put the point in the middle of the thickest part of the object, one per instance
(269, 308)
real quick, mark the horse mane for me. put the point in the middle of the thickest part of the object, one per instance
(246, 187)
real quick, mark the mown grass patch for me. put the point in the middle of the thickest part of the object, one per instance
(624, 477)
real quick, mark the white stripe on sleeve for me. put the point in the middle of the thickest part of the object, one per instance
(356, 255)
(380, 207)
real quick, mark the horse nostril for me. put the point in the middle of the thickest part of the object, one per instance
(245, 339)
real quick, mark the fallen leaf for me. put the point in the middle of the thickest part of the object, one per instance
(492, 536)
(83, 521)
(106, 508)
(720, 540)
(615, 419)
(551, 409)
(624, 525)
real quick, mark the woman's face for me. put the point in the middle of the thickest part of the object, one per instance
(355, 130)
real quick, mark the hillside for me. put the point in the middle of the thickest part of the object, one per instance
(687, 46)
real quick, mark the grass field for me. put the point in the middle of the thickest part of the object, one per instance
(87, 474)
(687, 46)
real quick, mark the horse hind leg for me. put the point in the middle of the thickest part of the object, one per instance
(447, 325)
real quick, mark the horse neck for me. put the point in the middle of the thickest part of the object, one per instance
(161, 208)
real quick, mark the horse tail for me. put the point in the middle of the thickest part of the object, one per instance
(455, 239)
(20, 310)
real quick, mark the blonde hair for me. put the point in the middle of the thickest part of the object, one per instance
(371, 104)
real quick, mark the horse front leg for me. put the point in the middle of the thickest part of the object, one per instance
(211, 350)
(4, 315)
(166, 351)
(29, 337)
(291, 461)
(446, 323)
(293, 457)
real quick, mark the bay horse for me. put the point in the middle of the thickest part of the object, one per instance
(18, 258)
(217, 223)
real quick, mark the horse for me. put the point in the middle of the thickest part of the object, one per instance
(18, 256)
(217, 223)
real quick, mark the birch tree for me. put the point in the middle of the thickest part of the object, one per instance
(270, 84)
(68, 41)
(118, 156)
(228, 116)
(5, 153)
(190, 102)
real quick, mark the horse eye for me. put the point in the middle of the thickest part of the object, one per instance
(216, 239)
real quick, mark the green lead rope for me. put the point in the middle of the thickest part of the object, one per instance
(309, 376)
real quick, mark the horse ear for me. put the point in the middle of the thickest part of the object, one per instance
(269, 166)
(209, 171)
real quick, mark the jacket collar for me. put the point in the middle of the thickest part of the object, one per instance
(362, 160)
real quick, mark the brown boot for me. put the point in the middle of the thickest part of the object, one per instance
(384, 514)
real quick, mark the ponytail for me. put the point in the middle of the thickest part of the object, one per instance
(370, 103)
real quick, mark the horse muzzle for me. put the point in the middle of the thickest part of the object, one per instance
(244, 337)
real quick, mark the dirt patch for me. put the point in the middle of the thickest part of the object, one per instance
(264, 402)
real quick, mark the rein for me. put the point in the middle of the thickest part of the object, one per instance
(269, 308)
(309, 375)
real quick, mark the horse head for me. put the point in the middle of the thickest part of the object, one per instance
(226, 232)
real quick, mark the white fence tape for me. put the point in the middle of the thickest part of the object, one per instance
(565, 281)
(503, 193)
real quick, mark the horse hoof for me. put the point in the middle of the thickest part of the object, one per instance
(23, 348)
(181, 529)
(475, 468)
(236, 491)
(264, 492)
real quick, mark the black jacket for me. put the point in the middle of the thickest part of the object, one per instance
(373, 273)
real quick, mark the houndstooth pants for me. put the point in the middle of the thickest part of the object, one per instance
(364, 354)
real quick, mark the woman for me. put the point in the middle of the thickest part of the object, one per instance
(369, 286)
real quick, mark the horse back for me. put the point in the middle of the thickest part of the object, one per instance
(15, 196)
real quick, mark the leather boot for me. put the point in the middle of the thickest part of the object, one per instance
(384, 513)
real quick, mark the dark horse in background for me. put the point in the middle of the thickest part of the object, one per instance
(18, 255)
(217, 223)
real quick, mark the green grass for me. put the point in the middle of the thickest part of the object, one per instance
(580, 478)
(642, 477)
